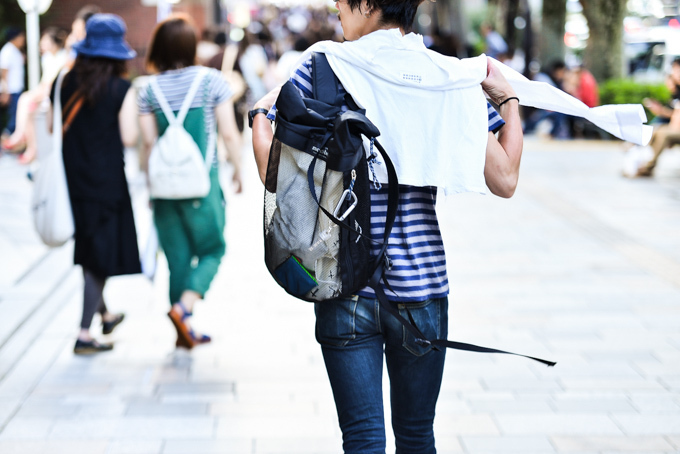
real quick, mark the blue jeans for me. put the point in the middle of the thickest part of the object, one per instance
(353, 334)
(12, 113)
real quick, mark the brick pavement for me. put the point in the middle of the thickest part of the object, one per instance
(581, 266)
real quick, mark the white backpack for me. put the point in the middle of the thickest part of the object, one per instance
(176, 166)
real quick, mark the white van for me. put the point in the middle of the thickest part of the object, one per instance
(649, 53)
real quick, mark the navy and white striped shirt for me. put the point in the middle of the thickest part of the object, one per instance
(415, 245)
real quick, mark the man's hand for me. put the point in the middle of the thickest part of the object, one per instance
(4, 99)
(495, 85)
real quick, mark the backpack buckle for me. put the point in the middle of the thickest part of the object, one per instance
(388, 261)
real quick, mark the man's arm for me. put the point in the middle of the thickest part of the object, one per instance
(503, 154)
(263, 133)
(4, 87)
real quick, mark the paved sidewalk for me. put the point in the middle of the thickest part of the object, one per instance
(582, 266)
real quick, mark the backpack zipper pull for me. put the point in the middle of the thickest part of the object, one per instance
(372, 160)
(351, 185)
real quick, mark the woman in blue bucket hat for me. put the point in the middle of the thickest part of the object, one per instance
(98, 115)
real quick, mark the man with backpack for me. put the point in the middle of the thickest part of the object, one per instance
(416, 122)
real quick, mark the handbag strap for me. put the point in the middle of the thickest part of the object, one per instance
(57, 128)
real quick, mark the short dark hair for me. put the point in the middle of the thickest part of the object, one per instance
(173, 44)
(676, 61)
(394, 12)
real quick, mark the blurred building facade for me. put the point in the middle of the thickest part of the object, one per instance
(139, 15)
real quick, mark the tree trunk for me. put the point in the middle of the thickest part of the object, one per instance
(510, 30)
(553, 19)
(604, 53)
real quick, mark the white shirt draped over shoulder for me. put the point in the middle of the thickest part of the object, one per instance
(431, 109)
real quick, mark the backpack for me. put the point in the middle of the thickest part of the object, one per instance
(177, 169)
(317, 201)
(317, 194)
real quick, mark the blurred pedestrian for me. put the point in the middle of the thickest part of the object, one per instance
(662, 111)
(495, 44)
(663, 137)
(52, 61)
(387, 71)
(190, 231)
(12, 73)
(559, 129)
(99, 115)
(78, 27)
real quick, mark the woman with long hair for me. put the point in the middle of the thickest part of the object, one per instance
(99, 114)
(190, 230)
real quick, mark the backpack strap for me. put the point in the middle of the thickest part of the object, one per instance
(325, 87)
(186, 104)
(184, 110)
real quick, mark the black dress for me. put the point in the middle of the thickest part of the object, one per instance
(105, 235)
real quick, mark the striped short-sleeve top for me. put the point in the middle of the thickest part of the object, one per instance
(176, 83)
(415, 246)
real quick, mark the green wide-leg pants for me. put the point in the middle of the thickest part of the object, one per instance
(191, 233)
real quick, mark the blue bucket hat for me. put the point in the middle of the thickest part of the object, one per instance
(105, 38)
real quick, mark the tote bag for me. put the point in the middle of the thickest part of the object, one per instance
(52, 215)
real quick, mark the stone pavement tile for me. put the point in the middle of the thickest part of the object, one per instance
(450, 425)
(451, 384)
(161, 409)
(28, 429)
(593, 404)
(656, 368)
(311, 445)
(526, 385)
(196, 388)
(255, 409)
(562, 424)
(582, 369)
(615, 444)
(672, 383)
(234, 445)
(626, 384)
(509, 406)
(134, 427)
(54, 447)
(447, 445)
(661, 403)
(649, 424)
(293, 427)
(194, 398)
(514, 444)
(50, 409)
(452, 404)
(100, 410)
(8, 407)
(135, 447)
(674, 440)
(92, 390)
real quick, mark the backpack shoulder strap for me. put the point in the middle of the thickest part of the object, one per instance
(191, 94)
(186, 104)
(325, 83)
(165, 107)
